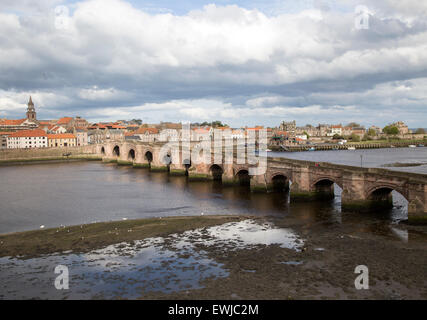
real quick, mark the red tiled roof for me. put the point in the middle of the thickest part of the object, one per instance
(61, 136)
(6, 133)
(147, 130)
(64, 120)
(29, 133)
(7, 122)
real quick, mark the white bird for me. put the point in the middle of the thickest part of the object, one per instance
(202, 214)
(42, 226)
(124, 219)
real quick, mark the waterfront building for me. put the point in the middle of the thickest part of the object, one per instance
(403, 128)
(3, 139)
(81, 137)
(26, 139)
(289, 127)
(61, 140)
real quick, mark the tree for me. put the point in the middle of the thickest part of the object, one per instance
(391, 130)
(354, 137)
(308, 136)
(353, 125)
(337, 137)
(372, 132)
(420, 131)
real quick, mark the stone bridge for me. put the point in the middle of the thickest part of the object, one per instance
(363, 189)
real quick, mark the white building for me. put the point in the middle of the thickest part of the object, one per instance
(26, 139)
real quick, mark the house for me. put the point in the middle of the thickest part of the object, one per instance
(66, 122)
(25, 139)
(81, 137)
(3, 139)
(61, 140)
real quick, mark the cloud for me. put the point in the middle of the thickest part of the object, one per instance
(241, 65)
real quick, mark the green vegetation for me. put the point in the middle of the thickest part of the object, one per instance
(391, 130)
(372, 132)
(420, 131)
(354, 137)
(213, 124)
(337, 137)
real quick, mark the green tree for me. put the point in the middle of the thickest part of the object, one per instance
(337, 136)
(353, 125)
(372, 132)
(354, 137)
(420, 131)
(391, 130)
(308, 136)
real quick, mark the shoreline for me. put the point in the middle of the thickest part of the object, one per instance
(87, 237)
(24, 161)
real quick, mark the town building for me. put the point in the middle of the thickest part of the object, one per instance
(30, 122)
(26, 139)
(61, 140)
(403, 128)
(3, 139)
(289, 127)
(81, 137)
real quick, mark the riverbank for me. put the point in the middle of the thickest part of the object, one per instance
(84, 238)
(47, 160)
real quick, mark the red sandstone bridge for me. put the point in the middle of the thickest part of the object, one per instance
(363, 189)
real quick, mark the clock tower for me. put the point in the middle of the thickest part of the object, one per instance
(31, 111)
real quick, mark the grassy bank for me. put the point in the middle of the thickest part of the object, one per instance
(84, 238)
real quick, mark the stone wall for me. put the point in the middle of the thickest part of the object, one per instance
(45, 153)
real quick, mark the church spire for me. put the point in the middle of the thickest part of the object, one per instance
(31, 111)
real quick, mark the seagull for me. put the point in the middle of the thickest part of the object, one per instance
(42, 226)
(124, 218)
(202, 214)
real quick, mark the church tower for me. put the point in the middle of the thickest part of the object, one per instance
(31, 111)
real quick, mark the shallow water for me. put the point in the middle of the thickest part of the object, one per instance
(126, 270)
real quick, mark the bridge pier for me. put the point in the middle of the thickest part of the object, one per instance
(140, 160)
(417, 206)
(259, 184)
(302, 190)
(158, 164)
(199, 172)
(177, 169)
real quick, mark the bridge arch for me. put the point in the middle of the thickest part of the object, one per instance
(279, 182)
(116, 151)
(103, 150)
(243, 178)
(216, 171)
(324, 187)
(131, 155)
(383, 190)
(148, 155)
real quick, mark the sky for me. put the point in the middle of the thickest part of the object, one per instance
(246, 62)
